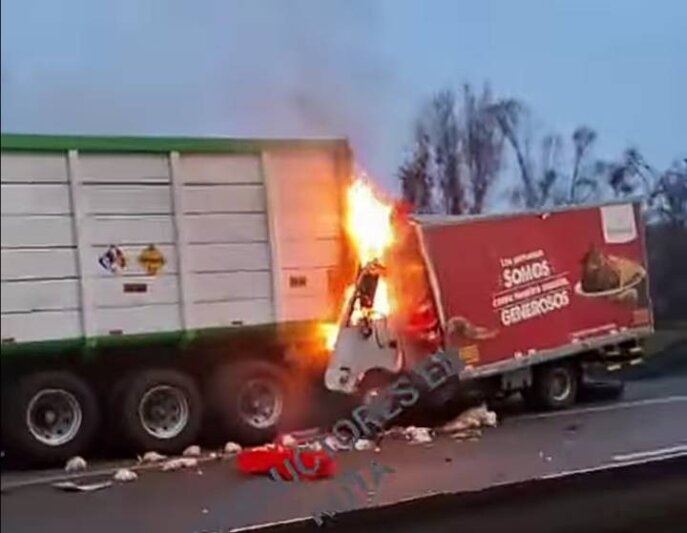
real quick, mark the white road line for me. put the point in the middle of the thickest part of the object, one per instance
(682, 448)
(609, 407)
(611, 466)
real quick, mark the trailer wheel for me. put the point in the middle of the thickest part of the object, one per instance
(161, 410)
(250, 399)
(49, 417)
(553, 387)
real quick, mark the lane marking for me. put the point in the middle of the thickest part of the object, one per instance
(601, 408)
(611, 466)
(682, 448)
(565, 473)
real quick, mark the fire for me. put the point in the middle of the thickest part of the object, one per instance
(368, 222)
(369, 229)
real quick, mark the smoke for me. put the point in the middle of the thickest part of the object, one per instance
(243, 68)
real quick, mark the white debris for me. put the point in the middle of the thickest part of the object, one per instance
(191, 451)
(125, 475)
(70, 486)
(418, 435)
(75, 464)
(467, 434)
(179, 463)
(289, 441)
(335, 444)
(232, 447)
(473, 418)
(364, 444)
(152, 457)
(213, 456)
(314, 446)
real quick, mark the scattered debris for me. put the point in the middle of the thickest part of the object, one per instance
(191, 451)
(377, 449)
(364, 444)
(179, 463)
(70, 486)
(75, 464)
(418, 435)
(213, 456)
(335, 444)
(232, 447)
(288, 440)
(151, 457)
(448, 459)
(124, 475)
(314, 446)
(467, 434)
(199, 472)
(204, 511)
(473, 418)
(395, 432)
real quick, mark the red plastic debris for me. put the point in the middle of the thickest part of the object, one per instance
(255, 461)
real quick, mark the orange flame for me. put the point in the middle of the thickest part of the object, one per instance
(369, 229)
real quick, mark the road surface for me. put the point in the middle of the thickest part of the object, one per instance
(649, 424)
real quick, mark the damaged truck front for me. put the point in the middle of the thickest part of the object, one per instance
(536, 303)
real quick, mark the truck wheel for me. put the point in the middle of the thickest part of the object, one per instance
(49, 417)
(553, 387)
(161, 410)
(250, 399)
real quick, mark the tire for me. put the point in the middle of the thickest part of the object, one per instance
(233, 389)
(161, 410)
(49, 417)
(553, 387)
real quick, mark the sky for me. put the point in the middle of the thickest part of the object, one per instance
(354, 68)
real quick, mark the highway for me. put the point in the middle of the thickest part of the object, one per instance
(648, 425)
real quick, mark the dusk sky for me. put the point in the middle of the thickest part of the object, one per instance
(304, 68)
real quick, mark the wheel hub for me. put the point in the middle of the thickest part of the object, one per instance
(260, 403)
(163, 411)
(54, 416)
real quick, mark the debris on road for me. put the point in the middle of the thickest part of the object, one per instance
(474, 418)
(467, 434)
(179, 463)
(125, 475)
(191, 451)
(286, 462)
(232, 448)
(213, 456)
(418, 435)
(151, 457)
(70, 486)
(364, 444)
(335, 444)
(288, 440)
(75, 464)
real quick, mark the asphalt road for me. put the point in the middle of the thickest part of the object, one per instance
(648, 424)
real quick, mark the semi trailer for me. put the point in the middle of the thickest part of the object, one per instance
(149, 284)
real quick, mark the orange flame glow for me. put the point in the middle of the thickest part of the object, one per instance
(369, 229)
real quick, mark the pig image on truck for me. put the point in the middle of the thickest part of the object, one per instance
(536, 303)
(152, 284)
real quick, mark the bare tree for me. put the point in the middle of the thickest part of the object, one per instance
(509, 115)
(583, 139)
(445, 132)
(416, 180)
(482, 145)
(460, 152)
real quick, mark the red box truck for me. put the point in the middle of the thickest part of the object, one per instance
(532, 302)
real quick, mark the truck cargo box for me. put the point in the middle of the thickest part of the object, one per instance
(125, 236)
(518, 289)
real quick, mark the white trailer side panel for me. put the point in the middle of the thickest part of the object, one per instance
(226, 251)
